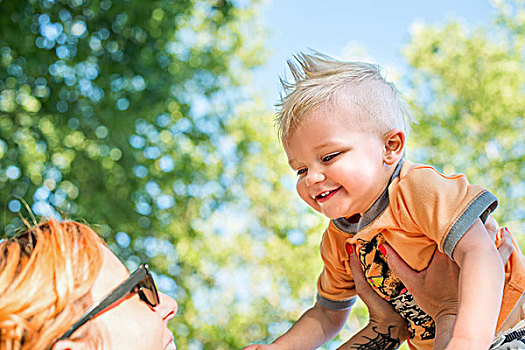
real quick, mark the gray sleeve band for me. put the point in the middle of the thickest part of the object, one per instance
(480, 208)
(335, 305)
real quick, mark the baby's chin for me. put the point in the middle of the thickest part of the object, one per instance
(353, 218)
(330, 214)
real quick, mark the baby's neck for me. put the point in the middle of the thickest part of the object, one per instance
(389, 172)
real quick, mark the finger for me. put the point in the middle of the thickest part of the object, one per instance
(378, 308)
(354, 263)
(399, 267)
(355, 267)
(506, 248)
(491, 225)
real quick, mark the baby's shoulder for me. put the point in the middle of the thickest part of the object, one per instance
(414, 174)
(421, 183)
(415, 171)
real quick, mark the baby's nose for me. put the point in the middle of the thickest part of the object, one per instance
(314, 176)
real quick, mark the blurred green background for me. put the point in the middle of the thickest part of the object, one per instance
(139, 117)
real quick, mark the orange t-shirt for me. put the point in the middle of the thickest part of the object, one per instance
(420, 211)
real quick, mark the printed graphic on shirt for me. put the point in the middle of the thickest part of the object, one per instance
(390, 288)
(420, 324)
(376, 269)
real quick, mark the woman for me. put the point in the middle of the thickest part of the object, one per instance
(62, 288)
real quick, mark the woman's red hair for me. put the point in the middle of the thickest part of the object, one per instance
(46, 275)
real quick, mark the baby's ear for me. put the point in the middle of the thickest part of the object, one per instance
(394, 146)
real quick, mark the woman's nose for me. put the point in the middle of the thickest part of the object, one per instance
(314, 176)
(167, 307)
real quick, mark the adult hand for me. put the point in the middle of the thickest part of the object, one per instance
(434, 289)
(430, 292)
(384, 322)
(380, 311)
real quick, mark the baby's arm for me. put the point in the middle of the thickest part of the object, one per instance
(315, 327)
(480, 289)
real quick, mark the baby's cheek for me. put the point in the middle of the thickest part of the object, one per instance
(307, 199)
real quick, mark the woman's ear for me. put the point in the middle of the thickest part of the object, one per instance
(394, 146)
(68, 345)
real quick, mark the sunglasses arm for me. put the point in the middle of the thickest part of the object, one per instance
(111, 298)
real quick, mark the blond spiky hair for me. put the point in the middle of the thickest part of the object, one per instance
(321, 80)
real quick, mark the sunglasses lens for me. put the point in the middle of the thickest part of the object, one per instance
(148, 291)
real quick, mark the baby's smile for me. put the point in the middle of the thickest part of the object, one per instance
(326, 195)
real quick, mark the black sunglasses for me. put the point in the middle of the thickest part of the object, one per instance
(140, 282)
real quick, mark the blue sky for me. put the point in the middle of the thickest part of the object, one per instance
(336, 27)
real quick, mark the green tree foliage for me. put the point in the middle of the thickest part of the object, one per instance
(467, 93)
(117, 112)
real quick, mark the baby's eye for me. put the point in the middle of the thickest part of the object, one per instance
(330, 157)
(301, 171)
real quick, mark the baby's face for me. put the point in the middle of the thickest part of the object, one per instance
(340, 168)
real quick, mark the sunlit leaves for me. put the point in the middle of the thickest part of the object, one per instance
(114, 112)
(468, 96)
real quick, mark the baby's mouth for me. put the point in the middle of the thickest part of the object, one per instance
(324, 196)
